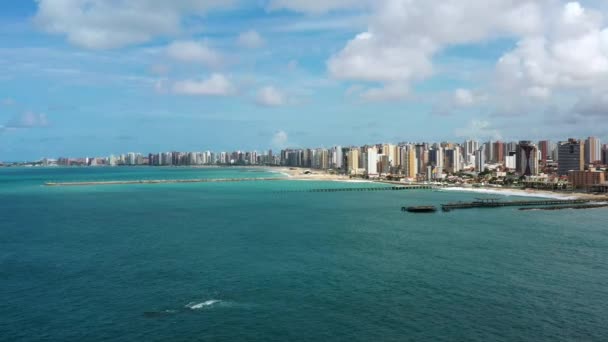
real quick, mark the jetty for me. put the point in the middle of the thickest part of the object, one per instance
(365, 189)
(495, 203)
(163, 181)
(563, 207)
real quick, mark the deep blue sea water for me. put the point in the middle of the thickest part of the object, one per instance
(247, 262)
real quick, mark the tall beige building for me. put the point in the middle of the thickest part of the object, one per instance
(392, 152)
(409, 163)
(593, 150)
(353, 160)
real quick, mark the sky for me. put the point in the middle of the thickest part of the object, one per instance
(101, 77)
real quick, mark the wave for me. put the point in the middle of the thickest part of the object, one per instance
(505, 192)
(202, 305)
(348, 180)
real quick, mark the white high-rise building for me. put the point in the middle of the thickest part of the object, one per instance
(593, 150)
(372, 161)
(480, 160)
(470, 147)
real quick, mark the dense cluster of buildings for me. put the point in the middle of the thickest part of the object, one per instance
(573, 163)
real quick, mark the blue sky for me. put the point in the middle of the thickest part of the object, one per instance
(95, 77)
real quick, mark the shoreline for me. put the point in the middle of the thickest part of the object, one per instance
(300, 174)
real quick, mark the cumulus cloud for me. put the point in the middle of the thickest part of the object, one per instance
(27, 119)
(467, 98)
(215, 85)
(194, 52)
(280, 139)
(159, 69)
(404, 36)
(317, 6)
(389, 92)
(571, 54)
(270, 97)
(250, 39)
(594, 105)
(478, 129)
(113, 24)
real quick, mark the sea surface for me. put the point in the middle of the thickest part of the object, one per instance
(268, 261)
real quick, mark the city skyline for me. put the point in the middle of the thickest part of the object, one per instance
(89, 77)
(414, 161)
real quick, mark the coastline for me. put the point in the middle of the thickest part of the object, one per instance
(306, 174)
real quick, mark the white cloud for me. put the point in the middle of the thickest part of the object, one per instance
(594, 105)
(194, 52)
(270, 97)
(28, 119)
(404, 36)
(466, 97)
(390, 92)
(280, 139)
(160, 86)
(215, 85)
(292, 65)
(317, 6)
(571, 54)
(112, 24)
(250, 39)
(478, 129)
(159, 69)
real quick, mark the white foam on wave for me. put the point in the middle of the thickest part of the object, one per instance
(280, 173)
(202, 305)
(352, 181)
(504, 192)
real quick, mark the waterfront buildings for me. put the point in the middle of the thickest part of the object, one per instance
(586, 179)
(527, 158)
(545, 149)
(470, 147)
(480, 159)
(372, 161)
(593, 150)
(571, 156)
(409, 160)
(499, 152)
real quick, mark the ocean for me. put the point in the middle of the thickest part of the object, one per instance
(268, 261)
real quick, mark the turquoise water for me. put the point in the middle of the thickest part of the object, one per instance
(246, 262)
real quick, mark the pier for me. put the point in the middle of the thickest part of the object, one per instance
(564, 207)
(388, 188)
(163, 181)
(494, 203)
(366, 189)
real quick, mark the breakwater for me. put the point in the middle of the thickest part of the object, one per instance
(563, 207)
(366, 189)
(492, 203)
(162, 181)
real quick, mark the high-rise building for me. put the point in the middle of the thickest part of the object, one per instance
(452, 160)
(499, 152)
(480, 159)
(409, 162)
(489, 150)
(372, 161)
(593, 150)
(571, 155)
(353, 160)
(544, 147)
(436, 158)
(527, 158)
(470, 147)
(605, 154)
